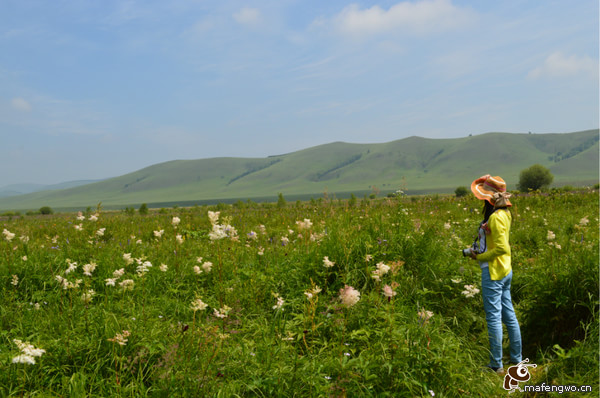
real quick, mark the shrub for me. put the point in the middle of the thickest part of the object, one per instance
(281, 201)
(46, 210)
(460, 192)
(534, 178)
(143, 210)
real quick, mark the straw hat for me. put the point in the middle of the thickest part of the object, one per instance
(492, 189)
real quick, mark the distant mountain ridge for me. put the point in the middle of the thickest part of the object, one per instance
(22, 189)
(413, 164)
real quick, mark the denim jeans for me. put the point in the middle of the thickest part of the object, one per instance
(499, 309)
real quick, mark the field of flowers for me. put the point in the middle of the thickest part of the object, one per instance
(320, 298)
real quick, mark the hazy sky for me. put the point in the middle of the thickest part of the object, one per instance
(93, 89)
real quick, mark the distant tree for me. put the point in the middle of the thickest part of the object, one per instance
(534, 177)
(46, 210)
(352, 201)
(143, 210)
(461, 191)
(281, 201)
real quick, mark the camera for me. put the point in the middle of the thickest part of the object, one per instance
(467, 252)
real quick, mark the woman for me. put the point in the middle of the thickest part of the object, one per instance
(496, 270)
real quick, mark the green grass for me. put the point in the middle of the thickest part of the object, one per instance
(413, 164)
(310, 346)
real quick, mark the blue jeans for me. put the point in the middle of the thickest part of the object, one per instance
(499, 309)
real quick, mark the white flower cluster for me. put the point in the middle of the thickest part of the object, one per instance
(424, 316)
(28, 352)
(198, 305)
(470, 291)
(349, 296)
(381, 270)
(313, 292)
(222, 312)
(302, 225)
(220, 231)
(121, 338)
(327, 263)
(8, 235)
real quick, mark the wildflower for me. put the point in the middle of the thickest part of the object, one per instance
(198, 305)
(24, 258)
(432, 393)
(121, 338)
(197, 269)
(143, 268)
(222, 312)
(88, 296)
(262, 229)
(261, 251)
(327, 263)
(28, 352)
(550, 236)
(349, 296)
(424, 316)
(470, 291)
(127, 284)
(128, 259)
(72, 267)
(138, 242)
(100, 232)
(110, 281)
(26, 359)
(119, 273)
(8, 235)
(368, 258)
(252, 235)
(213, 216)
(158, 234)
(15, 280)
(179, 239)
(175, 221)
(311, 293)
(79, 227)
(207, 266)
(89, 268)
(163, 267)
(279, 304)
(306, 224)
(381, 270)
(218, 232)
(24, 238)
(456, 280)
(447, 225)
(388, 291)
(80, 216)
(584, 221)
(93, 217)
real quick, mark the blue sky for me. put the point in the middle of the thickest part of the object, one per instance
(96, 89)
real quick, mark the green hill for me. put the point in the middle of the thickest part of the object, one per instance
(414, 164)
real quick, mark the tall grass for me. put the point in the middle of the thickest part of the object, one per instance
(274, 324)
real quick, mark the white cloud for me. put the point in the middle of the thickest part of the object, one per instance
(421, 17)
(20, 104)
(248, 16)
(557, 64)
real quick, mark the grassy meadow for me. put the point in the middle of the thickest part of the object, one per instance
(363, 298)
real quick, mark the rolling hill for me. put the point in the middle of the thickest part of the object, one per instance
(413, 164)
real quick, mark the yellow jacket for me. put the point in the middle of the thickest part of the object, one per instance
(498, 248)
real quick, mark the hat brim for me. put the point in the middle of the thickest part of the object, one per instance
(480, 192)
